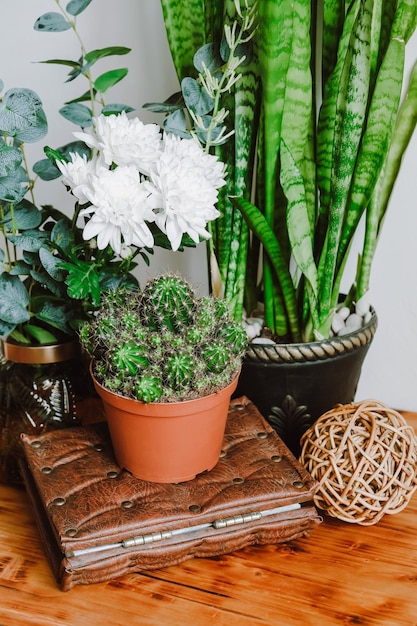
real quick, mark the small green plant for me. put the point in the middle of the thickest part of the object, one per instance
(164, 343)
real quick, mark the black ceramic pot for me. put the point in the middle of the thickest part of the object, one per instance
(294, 384)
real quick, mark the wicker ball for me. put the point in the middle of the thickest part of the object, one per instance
(364, 456)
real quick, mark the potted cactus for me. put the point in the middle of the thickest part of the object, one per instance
(165, 363)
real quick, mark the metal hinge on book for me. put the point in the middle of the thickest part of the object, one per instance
(218, 524)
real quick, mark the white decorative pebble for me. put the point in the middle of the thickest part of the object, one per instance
(343, 312)
(354, 321)
(337, 322)
(263, 340)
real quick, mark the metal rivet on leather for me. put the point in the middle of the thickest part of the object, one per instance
(36, 444)
(239, 407)
(59, 501)
(238, 479)
(112, 474)
(127, 504)
(71, 532)
(98, 446)
(262, 435)
(46, 470)
(194, 508)
(299, 484)
(223, 453)
(276, 458)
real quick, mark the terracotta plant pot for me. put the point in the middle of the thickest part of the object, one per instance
(167, 442)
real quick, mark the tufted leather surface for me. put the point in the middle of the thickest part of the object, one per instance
(83, 500)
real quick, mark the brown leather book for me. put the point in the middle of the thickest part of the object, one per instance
(98, 522)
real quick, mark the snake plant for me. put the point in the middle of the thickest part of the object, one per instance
(319, 130)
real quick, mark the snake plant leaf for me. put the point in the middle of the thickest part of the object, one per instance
(14, 300)
(351, 111)
(52, 22)
(77, 113)
(185, 28)
(333, 18)
(259, 225)
(299, 228)
(75, 7)
(376, 139)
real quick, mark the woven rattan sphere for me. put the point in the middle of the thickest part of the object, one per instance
(364, 456)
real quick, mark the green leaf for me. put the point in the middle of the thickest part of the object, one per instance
(41, 335)
(20, 268)
(82, 280)
(47, 282)
(78, 114)
(51, 23)
(68, 62)
(14, 300)
(115, 109)
(26, 216)
(171, 104)
(207, 58)
(57, 314)
(75, 7)
(22, 115)
(46, 168)
(11, 189)
(176, 123)
(95, 55)
(30, 240)
(109, 79)
(61, 235)
(51, 264)
(196, 97)
(10, 159)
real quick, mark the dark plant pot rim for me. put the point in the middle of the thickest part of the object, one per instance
(40, 355)
(314, 350)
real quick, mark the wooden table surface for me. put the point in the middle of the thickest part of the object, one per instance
(341, 574)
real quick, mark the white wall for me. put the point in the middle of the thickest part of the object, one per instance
(390, 370)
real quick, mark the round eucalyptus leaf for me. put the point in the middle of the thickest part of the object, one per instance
(20, 268)
(196, 98)
(115, 109)
(10, 159)
(52, 22)
(22, 115)
(207, 56)
(30, 240)
(61, 234)
(78, 114)
(26, 216)
(75, 7)
(177, 124)
(242, 50)
(11, 189)
(46, 170)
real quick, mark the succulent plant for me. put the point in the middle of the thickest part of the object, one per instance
(164, 343)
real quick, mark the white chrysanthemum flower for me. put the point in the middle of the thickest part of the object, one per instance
(76, 173)
(121, 208)
(185, 184)
(124, 141)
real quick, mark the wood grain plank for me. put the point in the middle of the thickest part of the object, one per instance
(341, 574)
